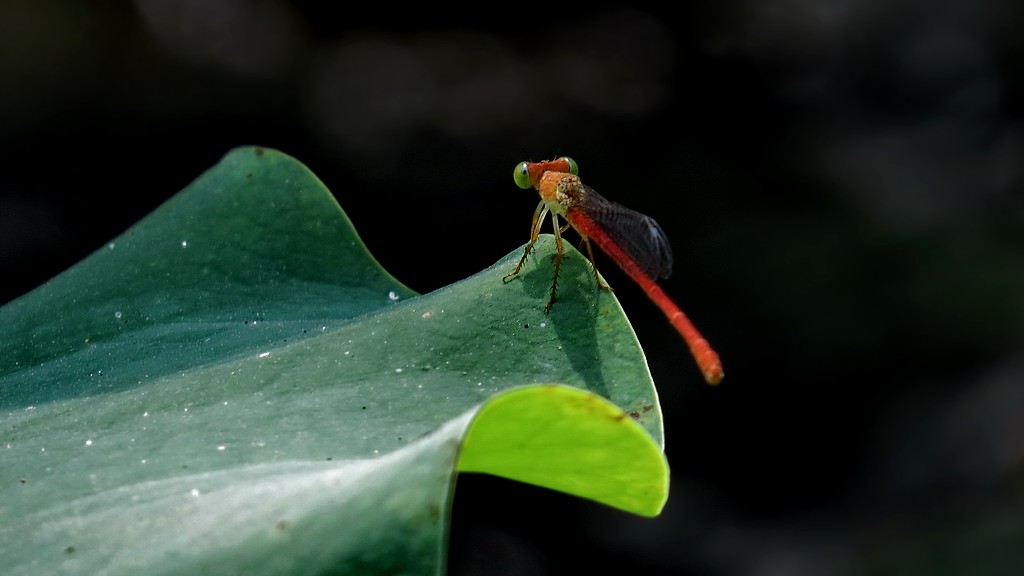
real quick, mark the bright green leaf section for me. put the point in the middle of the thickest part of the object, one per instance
(570, 440)
(234, 384)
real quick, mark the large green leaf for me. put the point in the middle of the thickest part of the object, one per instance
(235, 383)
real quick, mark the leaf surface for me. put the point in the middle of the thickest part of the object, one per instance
(235, 382)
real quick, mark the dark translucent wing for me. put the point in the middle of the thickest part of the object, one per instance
(637, 234)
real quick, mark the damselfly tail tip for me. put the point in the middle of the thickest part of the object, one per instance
(714, 376)
(711, 367)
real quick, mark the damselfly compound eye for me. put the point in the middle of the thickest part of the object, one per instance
(521, 174)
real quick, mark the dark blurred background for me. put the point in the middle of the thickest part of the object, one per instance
(841, 181)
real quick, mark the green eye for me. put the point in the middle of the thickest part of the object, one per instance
(574, 169)
(522, 175)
